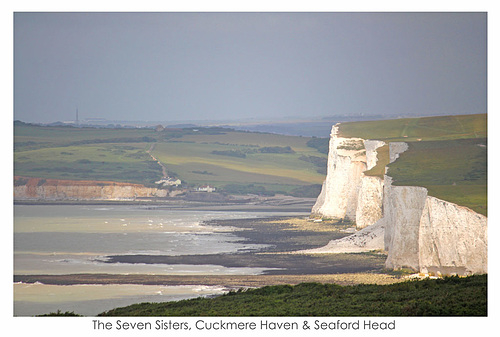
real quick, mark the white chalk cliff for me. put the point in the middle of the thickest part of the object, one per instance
(347, 192)
(418, 231)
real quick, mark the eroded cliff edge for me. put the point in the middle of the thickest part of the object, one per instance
(418, 231)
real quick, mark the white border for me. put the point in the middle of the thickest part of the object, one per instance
(83, 326)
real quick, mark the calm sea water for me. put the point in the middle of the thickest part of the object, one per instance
(64, 239)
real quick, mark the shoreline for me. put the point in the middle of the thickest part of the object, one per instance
(285, 205)
(229, 281)
(281, 235)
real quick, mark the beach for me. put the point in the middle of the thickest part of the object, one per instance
(212, 250)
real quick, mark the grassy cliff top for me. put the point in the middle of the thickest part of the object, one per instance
(418, 129)
(452, 170)
(447, 155)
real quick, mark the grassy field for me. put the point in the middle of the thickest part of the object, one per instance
(447, 155)
(452, 296)
(197, 156)
(28, 137)
(453, 170)
(419, 129)
(203, 166)
(90, 162)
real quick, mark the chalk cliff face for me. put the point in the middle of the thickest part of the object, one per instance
(458, 235)
(419, 231)
(369, 203)
(403, 207)
(347, 192)
(54, 189)
(432, 235)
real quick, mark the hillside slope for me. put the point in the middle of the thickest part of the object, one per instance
(198, 156)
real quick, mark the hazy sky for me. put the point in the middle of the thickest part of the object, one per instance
(192, 66)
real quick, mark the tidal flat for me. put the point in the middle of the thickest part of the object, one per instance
(221, 249)
(277, 236)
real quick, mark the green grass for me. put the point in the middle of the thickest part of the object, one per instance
(28, 137)
(472, 196)
(62, 314)
(414, 129)
(451, 296)
(89, 162)
(452, 170)
(191, 154)
(251, 139)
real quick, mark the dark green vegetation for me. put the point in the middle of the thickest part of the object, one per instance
(276, 149)
(451, 296)
(309, 191)
(230, 153)
(247, 189)
(198, 156)
(60, 313)
(108, 162)
(320, 144)
(447, 155)
(320, 162)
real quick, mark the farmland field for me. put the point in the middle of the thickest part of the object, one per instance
(254, 167)
(201, 156)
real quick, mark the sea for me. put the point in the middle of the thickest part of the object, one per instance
(72, 239)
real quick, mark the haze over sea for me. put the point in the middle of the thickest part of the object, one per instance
(68, 239)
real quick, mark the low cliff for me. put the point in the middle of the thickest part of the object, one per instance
(26, 188)
(419, 231)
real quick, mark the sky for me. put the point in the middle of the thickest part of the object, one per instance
(227, 66)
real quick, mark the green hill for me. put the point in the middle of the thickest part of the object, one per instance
(198, 156)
